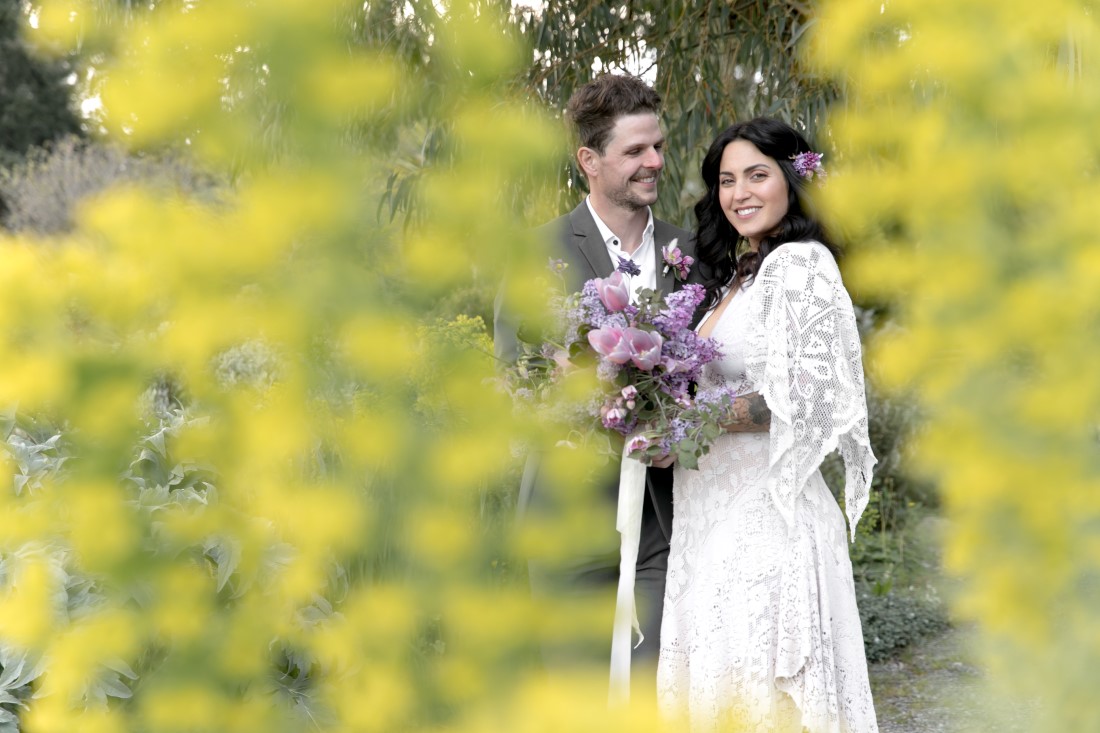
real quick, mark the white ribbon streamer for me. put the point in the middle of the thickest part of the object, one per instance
(628, 522)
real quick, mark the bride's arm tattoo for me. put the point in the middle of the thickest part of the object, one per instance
(749, 414)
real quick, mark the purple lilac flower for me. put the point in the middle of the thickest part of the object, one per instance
(587, 310)
(715, 395)
(807, 164)
(719, 394)
(628, 267)
(677, 431)
(688, 353)
(606, 371)
(679, 309)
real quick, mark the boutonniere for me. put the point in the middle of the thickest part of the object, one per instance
(677, 260)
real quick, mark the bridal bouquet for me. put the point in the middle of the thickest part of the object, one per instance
(647, 360)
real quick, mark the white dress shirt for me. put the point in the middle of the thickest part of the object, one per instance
(644, 256)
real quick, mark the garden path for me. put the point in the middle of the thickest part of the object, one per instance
(934, 686)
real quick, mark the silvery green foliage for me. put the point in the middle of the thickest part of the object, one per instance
(158, 481)
(163, 481)
(17, 671)
(251, 364)
(42, 192)
(34, 460)
(158, 478)
(37, 453)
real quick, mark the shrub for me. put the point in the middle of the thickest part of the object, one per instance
(894, 620)
(42, 192)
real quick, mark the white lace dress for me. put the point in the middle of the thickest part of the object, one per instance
(760, 628)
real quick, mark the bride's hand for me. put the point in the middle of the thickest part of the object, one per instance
(664, 461)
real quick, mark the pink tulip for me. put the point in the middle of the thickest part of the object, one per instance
(644, 346)
(613, 292)
(609, 343)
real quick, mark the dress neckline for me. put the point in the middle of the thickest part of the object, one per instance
(741, 291)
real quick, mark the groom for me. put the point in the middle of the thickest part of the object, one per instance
(621, 154)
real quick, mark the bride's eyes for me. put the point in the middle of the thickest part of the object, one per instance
(754, 177)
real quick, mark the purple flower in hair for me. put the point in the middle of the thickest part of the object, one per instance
(807, 164)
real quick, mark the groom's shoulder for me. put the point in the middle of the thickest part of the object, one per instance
(565, 225)
(666, 232)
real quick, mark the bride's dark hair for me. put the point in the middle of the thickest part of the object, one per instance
(716, 239)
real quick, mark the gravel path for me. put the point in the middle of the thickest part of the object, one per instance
(934, 687)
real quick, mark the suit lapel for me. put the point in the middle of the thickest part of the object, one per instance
(666, 277)
(587, 239)
(589, 242)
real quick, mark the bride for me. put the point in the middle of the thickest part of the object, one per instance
(760, 629)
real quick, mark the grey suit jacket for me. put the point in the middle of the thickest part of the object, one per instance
(577, 240)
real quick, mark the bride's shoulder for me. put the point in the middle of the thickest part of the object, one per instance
(801, 266)
(810, 253)
(804, 248)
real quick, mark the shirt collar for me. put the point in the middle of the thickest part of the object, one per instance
(612, 239)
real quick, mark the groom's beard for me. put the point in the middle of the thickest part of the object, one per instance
(630, 198)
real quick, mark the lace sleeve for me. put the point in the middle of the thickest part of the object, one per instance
(804, 356)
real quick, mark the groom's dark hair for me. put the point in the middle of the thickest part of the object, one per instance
(594, 108)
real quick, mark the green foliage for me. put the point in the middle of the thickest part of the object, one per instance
(712, 62)
(305, 542)
(448, 350)
(162, 484)
(898, 577)
(952, 109)
(35, 105)
(894, 620)
(894, 561)
(893, 422)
